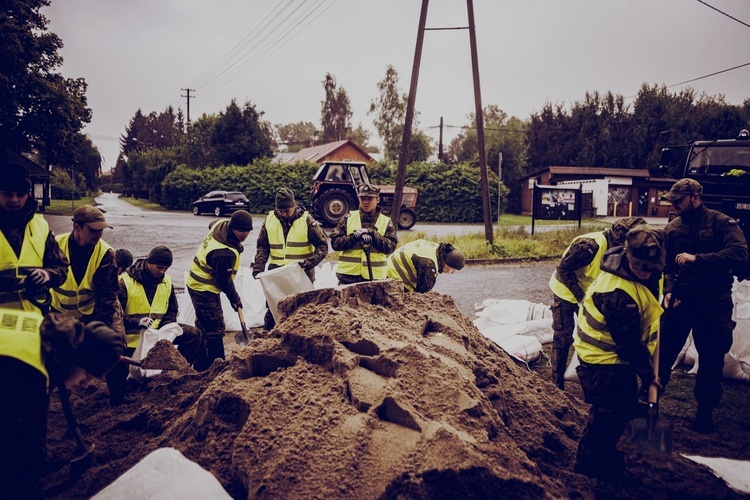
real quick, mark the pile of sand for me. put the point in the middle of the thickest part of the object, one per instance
(360, 392)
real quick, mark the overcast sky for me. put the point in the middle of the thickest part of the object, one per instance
(275, 53)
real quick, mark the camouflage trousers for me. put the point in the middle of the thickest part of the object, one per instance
(209, 316)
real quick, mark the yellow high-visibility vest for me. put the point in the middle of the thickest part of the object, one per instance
(32, 257)
(139, 306)
(78, 299)
(295, 247)
(592, 339)
(201, 278)
(402, 268)
(585, 275)
(354, 261)
(20, 338)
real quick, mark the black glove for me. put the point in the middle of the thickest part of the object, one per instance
(236, 304)
(359, 232)
(255, 274)
(303, 265)
(366, 239)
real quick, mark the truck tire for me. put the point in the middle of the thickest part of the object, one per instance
(406, 218)
(333, 205)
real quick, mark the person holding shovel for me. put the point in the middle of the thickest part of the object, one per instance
(213, 271)
(289, 234)
(703, 247)
(615, 340)
(365, 238)
(578, 267)
(30, 258)
(149, 301)
(56, 351)
(418, 263)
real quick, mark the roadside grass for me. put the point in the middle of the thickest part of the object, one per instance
(145, 204)
(66, 207)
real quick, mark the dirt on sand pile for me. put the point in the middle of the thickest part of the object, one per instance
(360, 392)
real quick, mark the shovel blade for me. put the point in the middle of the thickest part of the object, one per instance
(241, 339)
(655, 437)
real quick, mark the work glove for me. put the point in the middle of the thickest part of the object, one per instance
(38, 276)
(255, 274)
(304, 265)
(237, 304)
(366, 239)
(359, 232)
(145, 322)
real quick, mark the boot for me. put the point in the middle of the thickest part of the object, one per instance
(559, 363)
(214, 349)
(704, 421)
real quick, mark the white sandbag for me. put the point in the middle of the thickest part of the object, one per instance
(505, 311)
(539, 328)
(282, 282)
(165, 474)
(526, 348)
(571, 375)
(325, 276)
(148, 339)
(736, 473)
(498, 333)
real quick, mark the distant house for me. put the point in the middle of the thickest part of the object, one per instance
(333, 151)
(615, 192)
(39, 176)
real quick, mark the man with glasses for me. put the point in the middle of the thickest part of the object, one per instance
(703, 246)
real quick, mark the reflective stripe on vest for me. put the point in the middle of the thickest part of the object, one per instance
(402, 268)
(201, 277)
(139, 306)
(78, 299)
(20, 339)
(32, 257)
(592, 339)
(295, 247)
(354, 261)
(585, 275)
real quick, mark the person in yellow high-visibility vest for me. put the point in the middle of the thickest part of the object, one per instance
(38, 354)
(577, 269)
(615, 340)
(31, 261)
(289, 234)
(418, 263)
(365, 238)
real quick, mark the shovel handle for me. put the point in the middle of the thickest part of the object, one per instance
(242, 325)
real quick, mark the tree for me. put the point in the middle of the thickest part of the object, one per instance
(335, 112)
(240, 136)
(361, 136)
(389, 109)
(296, 136)
(39, 109)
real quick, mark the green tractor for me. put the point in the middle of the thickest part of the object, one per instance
(334, 194)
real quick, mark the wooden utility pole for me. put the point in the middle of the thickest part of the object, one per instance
(440, 141)
(403, 156)
(485, 187)
(187, 129)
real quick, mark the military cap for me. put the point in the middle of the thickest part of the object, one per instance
(86, 214)
(368, 191)
(621, 227)
(644, 247)
(683, 187)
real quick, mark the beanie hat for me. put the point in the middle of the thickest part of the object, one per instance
(455, 259)
(241, 221)
(100, 349)
(160, 255)
(123, 258)
(644, 248)
(621, 227)
(14, 177)
(285, 199)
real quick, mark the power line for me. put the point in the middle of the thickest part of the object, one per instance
(711, 74)
(724, 13)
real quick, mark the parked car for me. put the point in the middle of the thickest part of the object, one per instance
(221, 202)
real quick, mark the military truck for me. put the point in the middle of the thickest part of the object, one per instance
(722, 166)
(334, 194)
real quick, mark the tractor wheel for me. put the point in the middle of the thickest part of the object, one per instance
(406, 218)
(196, 211)
(217, 211)
(333, 205)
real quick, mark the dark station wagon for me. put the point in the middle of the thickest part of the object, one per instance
(220, 203)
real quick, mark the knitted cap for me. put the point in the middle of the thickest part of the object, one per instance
(14, 177)
(86, 214)
(123, 258)
(285, 199)
(683, 187)
(100, 349)
(241, 221)
(644, 247)
(160, 255)
(455, 259)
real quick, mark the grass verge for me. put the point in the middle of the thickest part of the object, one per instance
(66, 207)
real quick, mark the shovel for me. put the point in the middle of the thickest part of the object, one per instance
(83, 461)
(242, 338)
(366, 248)
(651, 434)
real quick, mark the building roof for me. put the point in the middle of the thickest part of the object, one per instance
(598, 171)
(319, 153)
(36, 172)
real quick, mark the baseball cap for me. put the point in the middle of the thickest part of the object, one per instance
(86, 214)
(368, 191)
(683, 187)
